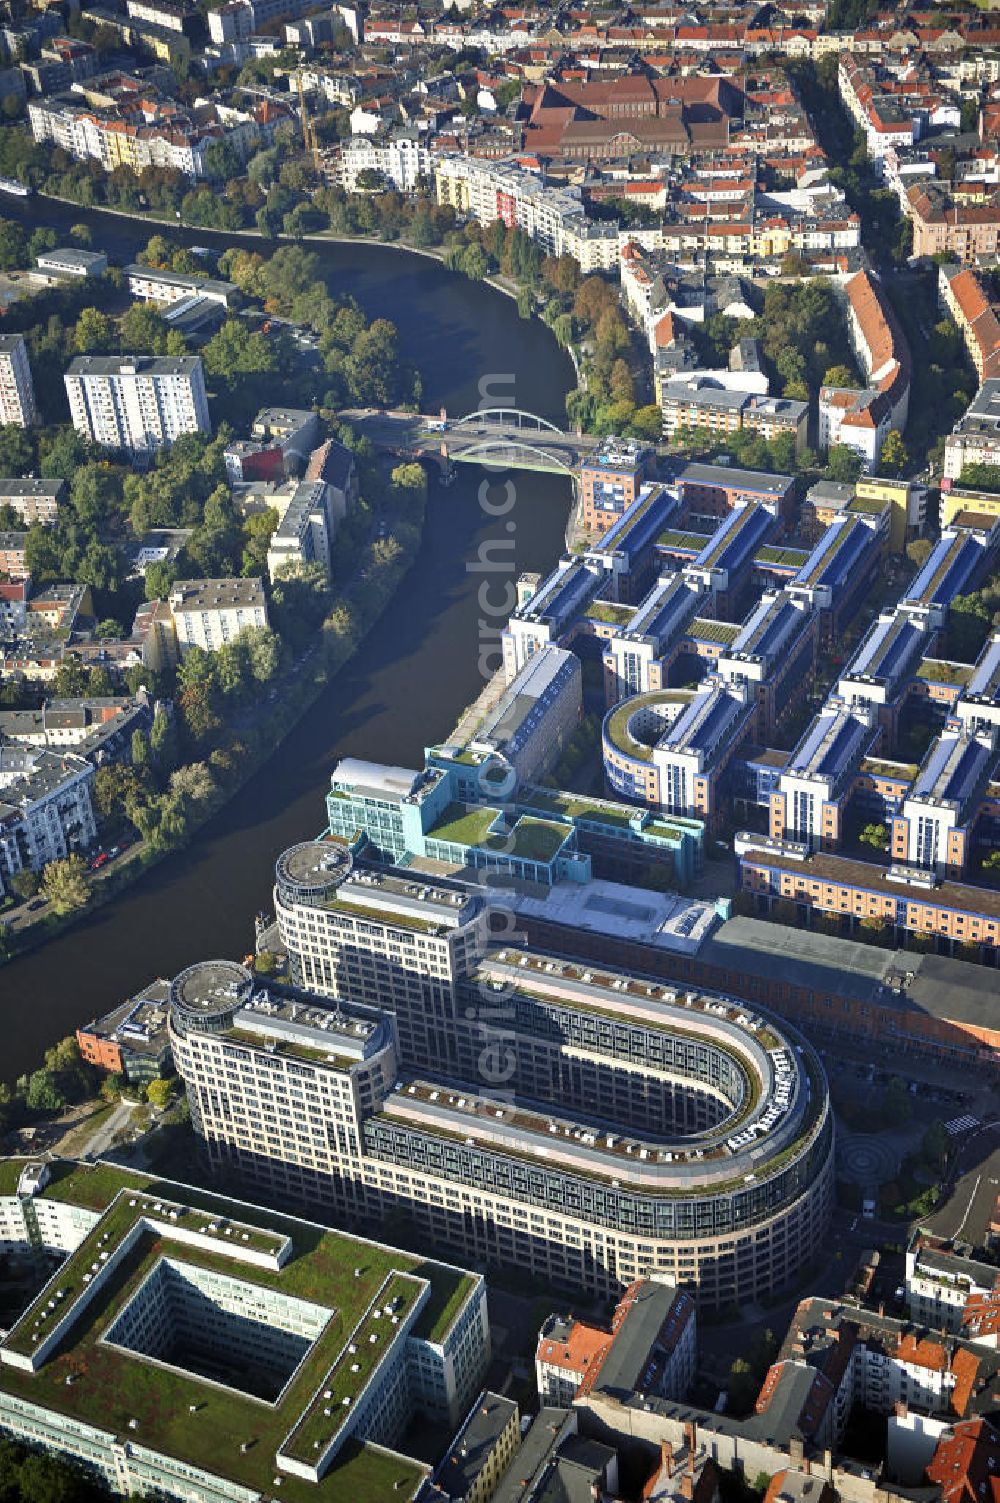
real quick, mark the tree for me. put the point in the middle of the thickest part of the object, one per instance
(159, 1092)
(159, 579)
(94, 332)
(936, 1143)
(65, 884)
(13, 246)
(60, 455)
(235, 351)
(163, 740)
(875, 835)
(25, 883)
(918, 551)
(742, 1388)
(262, 652)
(647, 423)
(894, 457)
(43, 1095)
(843, 464)
(474, 263)
(111, 1086)
(114, 786)
(897, 1105)
(838, 375)
(197, 711)
(192, 783)
(16, 449)
(142, 330)
(94, 492)
(140, 749)
(409, 479)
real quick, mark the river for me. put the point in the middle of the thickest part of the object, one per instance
(405, 687)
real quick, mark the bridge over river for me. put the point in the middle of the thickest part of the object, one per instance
(504, 437)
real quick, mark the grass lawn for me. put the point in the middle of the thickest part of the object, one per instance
(572, 806)
(688, 542)
(713, 631)
(940, 671)
(607, 610)
(537, 839)
(463, 824)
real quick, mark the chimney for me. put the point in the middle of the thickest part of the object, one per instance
(691, 1433)
(666, 1456)
(686, 1486)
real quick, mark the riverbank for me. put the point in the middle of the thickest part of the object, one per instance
(332, 651)
(431, 253)
(405, 683)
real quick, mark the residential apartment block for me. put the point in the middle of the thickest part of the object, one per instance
(45, 808)
(137, 404)
(17, 392)
(652, 1343)
(208, 612)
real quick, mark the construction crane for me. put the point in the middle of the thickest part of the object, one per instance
(309, 140)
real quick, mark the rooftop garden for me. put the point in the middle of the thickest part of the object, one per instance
(392, 918)
(183, 1415)
(535, 839)
(619, 734)
(713, 631)
(609, 611)
(868, 506)
(573, 806)
(877, 767)
(322, 1262)
(687, 542)
(837, 541)
(10, 1173)
(792, 558)
(463, 824)
(940, 671)
(354, 1366)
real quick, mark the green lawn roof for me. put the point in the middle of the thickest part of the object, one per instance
(463, 824)
(711, 630)
(608, 610)
(110, 1387)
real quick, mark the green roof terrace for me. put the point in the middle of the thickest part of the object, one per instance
(706, 629)
(221, 1429)
(940, 671)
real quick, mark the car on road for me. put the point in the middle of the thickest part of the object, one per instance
(101, 859)
(37, 903)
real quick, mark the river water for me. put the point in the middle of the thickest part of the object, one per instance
(405, 687)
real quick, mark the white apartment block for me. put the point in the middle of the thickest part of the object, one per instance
(137, 403)
(939, 1283)
(210, 612)
(45, 808)
(401, 161)
(17, 394)
(230, 23)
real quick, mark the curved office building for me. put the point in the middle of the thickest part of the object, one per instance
(585, 1125)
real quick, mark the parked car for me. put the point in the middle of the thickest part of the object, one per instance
(101, 859)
